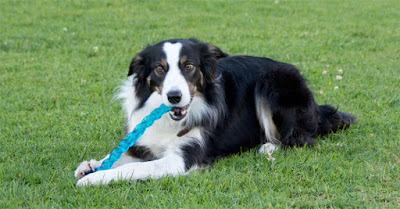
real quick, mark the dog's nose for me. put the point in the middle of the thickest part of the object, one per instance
(174, 96)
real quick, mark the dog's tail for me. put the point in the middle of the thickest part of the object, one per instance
(331, 120)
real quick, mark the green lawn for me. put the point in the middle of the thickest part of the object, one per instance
(57, 107)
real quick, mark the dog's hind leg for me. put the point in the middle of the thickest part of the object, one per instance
(291, 104)
(271, 134)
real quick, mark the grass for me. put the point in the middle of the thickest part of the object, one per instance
(56, 105)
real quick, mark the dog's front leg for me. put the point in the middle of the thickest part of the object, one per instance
(86, 167)
(171, 164)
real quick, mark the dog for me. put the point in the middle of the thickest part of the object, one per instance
(221, 105)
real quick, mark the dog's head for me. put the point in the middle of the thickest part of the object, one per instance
(178, 70)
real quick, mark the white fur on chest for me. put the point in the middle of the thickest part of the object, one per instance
(161, 138)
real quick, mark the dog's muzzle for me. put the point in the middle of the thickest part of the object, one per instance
(178, 113)
(175, 97)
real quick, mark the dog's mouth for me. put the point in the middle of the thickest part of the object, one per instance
(178, 113)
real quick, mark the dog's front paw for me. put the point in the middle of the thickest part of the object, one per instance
(86, 167)
(97, 178)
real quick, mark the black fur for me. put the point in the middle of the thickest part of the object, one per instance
(141, 152)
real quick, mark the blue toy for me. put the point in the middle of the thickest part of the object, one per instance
(133, 136)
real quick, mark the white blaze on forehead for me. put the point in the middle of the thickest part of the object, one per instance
(174, 80)
(172, 51)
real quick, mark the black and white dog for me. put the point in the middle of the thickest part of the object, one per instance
(221, 105)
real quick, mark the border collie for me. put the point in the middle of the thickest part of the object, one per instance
(221, 105)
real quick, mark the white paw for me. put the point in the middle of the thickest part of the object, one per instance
(86, 167)
(96, 178)
(268, 148)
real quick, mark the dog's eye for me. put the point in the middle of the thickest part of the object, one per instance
(159, 69)
(188, 67)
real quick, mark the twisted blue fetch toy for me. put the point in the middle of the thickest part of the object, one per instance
(133, 136)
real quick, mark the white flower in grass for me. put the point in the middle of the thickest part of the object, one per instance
(276, 1)
(324, 72)
(65, 29)
(95, 49)
(340, 71)
(321, 92)
(336, 87)
(338, 77)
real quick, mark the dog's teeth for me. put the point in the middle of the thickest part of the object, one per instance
(183, 112)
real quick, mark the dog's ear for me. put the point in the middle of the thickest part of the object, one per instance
(136, 64)
(209, 59)
(217, 51)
